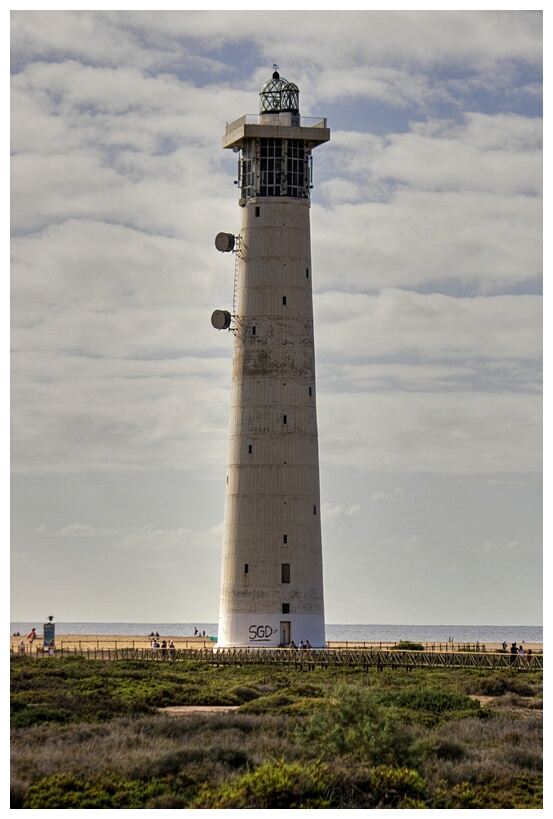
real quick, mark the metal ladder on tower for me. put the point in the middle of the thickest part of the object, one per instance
(236, 321)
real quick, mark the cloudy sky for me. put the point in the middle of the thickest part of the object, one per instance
(427, 264)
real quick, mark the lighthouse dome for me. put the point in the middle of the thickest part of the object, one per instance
(278, 95)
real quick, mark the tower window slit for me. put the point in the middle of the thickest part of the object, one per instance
(284, 419)
(254, 330)
(285, 538)
(314, 510)
(284, 300)
(250, 449)
(286, 608)
(285, 572)
(246, 568)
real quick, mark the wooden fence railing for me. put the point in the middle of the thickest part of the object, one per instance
(313, 658)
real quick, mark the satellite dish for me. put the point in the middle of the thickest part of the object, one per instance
(224, 242)
(220, 319)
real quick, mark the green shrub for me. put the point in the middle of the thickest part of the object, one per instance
(397, 788)
(244, 693)
(65, 790)
(25, 716)
(449, 750)
(356, 724)
(431, 699)
(276, 784)
(407, 645)
(495, 794)
(506, 683)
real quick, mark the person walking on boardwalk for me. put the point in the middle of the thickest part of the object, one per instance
(514, 652)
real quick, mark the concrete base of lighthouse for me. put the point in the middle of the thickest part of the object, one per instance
(268, 631)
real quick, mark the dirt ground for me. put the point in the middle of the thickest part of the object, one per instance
(191, 710)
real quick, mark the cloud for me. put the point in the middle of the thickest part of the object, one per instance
(451, 433)
(428, 327)
(434, 205)
(78, 530)
(146, 538)
(427, 260)
(332, 511)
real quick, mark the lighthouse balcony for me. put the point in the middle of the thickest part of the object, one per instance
(313, 130)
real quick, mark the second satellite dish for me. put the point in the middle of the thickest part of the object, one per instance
(224, 242)
(220, 319)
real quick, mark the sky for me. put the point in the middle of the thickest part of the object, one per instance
(426, 230)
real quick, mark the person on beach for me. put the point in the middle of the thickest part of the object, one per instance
(32, 635)
(163, 648)
(172, 651)
(155, 646)
(521, 655)
(513, 653)
(22, 647)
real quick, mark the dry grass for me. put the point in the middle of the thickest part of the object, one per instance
(436, 757)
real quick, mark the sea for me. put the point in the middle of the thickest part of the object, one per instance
(334, 633)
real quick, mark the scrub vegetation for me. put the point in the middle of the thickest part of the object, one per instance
(89, 734)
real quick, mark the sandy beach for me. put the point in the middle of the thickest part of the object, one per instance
(102, 641)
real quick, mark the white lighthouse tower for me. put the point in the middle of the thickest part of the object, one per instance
(272, 573)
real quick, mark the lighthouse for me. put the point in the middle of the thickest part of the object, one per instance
(272, 569)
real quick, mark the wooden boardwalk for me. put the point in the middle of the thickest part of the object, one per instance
(321, 658)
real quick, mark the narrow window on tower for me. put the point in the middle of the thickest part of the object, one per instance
(310, 390)
(254, 330)
(314, 510)
(286, 608)
(284, 419)
(257, 211)
(306, 272)
(284, 300)
(246, 567)
(285, 572)
(285, 538)
(250, 449)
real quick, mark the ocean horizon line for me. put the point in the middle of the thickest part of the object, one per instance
(352, 625)
(334, 632)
